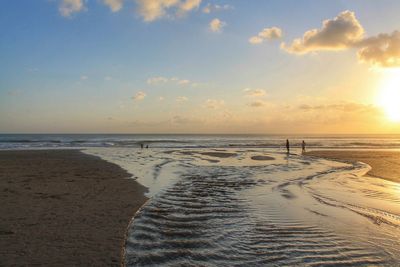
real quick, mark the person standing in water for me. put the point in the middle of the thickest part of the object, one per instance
(303, 147)
(287, 146)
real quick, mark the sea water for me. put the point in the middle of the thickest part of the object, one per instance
(23, 141)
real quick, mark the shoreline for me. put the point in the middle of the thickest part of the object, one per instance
(128, 227)
(384, 164)
(64, 207)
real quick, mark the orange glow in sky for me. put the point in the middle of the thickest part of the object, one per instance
(389, 96)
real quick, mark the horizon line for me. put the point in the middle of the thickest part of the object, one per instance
(255, 134)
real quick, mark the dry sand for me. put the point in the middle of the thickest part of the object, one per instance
(384, 164)
(64, 208)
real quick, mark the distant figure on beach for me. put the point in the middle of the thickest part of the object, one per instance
(303, 147)
(141, 146)
(287, 146)
(147, 146)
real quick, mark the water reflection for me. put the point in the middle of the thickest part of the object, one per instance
(223, 208)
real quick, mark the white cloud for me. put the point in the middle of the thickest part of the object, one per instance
(139, 96)
(214, 104)
(114, 5)
(255, 40)
(271, 33)
(159, 80)
(207, 9)
(254, 92)
(151, 10)
(213, 8)
(68, 7)
(216, 25)
(338, 33)
(183, 82)
(181, 99)
(382, 50)
(84, 77)
(266, 34)
(257, 104)
(161, 98)
(345, 32)
(108, 78)
(187, 6)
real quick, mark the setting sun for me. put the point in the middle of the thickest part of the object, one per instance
(389, 96)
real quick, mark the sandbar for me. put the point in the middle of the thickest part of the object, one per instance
(385, 164)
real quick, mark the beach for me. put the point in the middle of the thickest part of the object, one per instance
(64, 208)
(384, 164)
(205, 206)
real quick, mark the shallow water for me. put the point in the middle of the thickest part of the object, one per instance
(226, 209)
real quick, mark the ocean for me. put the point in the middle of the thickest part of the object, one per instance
(21, 141)
(236, 200)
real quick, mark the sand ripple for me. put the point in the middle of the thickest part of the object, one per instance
(208, 219)
(226, 208)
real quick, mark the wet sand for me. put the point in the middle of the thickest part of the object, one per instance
(384, 164)
(262, 158)
(219, 154)
(64, 208)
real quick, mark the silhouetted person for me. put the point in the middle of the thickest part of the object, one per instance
(141, 146)
(303, 147)
(147, 146)
(287, 146)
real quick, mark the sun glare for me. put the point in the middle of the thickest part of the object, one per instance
(389, 96)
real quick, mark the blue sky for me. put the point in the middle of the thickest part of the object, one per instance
(76, 66)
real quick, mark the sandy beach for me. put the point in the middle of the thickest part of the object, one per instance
(384, 164)
(64, 208)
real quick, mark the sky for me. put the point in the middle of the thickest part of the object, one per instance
(200, 66)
